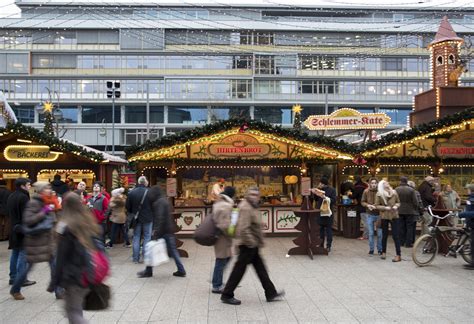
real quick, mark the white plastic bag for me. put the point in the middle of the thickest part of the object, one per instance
(156, 253)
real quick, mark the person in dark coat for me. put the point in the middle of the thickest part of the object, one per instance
(359, 188)
(163, 228)
(59, 186)
(407, 212)
(15, 206)
(426, 189)
(4, 219)
(145, 216)
(325, 223)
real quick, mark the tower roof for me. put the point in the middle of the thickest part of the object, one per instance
(445, 33)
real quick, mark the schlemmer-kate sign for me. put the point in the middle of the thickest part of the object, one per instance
(347, 118)
(30, 153)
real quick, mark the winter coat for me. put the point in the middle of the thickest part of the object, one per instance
(329, 192)
(368, 198)
(16, 205)
(426, 192)
(117, 210)
(71, 259)
(249, 228)
(393, 200)
(4, 194)
(60, 187)
(40, 247)
(133, 202)
(163, 222)
(99, 205)
(359, 189)
(221, 213)
(408, 200)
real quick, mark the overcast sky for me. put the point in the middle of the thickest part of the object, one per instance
(8, 8)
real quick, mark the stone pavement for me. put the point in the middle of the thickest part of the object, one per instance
(347, 287)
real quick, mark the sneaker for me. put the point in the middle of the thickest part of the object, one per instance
(277, 297)
(230, 301)
(371, 253)
(397, 259)
(28, 283)
(17, 296)
(179, 274)
(217, 290)
(144, 274)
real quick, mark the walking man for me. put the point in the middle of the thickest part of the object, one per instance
(250, 239)
(407, 212)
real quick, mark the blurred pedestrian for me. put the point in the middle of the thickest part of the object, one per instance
(387, 202)
(163, 226)
(250, 240)
(222, 216)
(118, 216)
(420, 208)
(59, 186)
(16, 205)
(76, 231)
(451, 201)
(324, 190)
(407, 212)
(373, 217)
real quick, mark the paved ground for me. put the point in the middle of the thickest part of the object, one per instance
(347, 286)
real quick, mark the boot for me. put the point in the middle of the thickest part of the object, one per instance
(397, 259)
(147, 273)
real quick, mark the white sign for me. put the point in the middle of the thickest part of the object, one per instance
(171, 187)
(305, 186)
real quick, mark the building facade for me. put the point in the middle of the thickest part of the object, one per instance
(192, 65)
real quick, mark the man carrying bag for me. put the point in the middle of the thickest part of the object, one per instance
(140, 217)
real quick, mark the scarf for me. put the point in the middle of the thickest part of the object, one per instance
(51, 200)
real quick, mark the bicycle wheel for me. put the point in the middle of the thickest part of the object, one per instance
(466, 249)
(424, 250)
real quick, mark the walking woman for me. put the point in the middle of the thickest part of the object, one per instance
(76, 231)
(387, 202)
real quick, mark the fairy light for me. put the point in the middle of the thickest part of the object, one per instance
(437, 102)
(354, 167)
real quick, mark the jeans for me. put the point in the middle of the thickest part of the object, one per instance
(407, 229)
(395, 223)
(73, 300)
(219, 272)
(364, 217)
(21, 275)
(17, 263)
(137, 235)
(247, 256)
(326, 230)
(116, 228)
(426, 220)
(173, 251)
(371, 220)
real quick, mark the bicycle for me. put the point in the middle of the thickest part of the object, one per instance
(426, 246)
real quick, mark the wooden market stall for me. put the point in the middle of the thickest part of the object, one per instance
(244, 154)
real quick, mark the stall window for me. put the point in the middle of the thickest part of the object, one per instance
(393, 173)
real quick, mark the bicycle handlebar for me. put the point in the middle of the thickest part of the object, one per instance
(451, 213)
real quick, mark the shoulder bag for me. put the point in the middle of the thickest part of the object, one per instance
(133, 219)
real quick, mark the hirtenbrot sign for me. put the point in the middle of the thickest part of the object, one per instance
(347, 118)
(460, 145)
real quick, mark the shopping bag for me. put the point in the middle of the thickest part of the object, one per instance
(325, 209)
(156, 253)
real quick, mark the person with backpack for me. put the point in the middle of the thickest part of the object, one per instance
(163, 228)
(76, 230)
(222, 216)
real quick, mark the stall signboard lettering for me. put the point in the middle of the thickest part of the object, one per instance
(347, 118)
(239, 145)
(459, 145)
(30, 153)
(171, 187)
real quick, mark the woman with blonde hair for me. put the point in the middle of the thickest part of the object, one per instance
(388, 202)
(77, 230)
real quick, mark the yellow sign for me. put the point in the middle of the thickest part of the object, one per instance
(347, 118)
(30, 153)
(239, 145)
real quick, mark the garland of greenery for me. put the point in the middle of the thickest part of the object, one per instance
(53, 142)
(237, 161)
(222, 126)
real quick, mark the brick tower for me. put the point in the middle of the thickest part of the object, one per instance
(444, 61)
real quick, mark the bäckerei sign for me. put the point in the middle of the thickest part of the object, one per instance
(30, 153)
(460, 145)
(347, 118)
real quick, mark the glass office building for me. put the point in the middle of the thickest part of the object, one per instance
(198, 64)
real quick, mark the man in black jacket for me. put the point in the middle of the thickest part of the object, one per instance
(59, 186)
(163, 228)
(426, 191)
(325, 222)
(407, 212)
(144, 222)
(16, 205)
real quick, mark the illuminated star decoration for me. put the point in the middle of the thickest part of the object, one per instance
(48, 107)
(297, 109)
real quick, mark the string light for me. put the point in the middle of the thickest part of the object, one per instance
(354, 167)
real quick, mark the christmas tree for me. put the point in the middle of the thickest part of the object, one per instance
(297, 117)
(48, 118)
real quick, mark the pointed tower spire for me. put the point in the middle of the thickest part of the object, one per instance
(445, 33)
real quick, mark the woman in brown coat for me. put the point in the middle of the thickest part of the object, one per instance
(39, 247)
(221, 213)
(118, 216)
(387, 202)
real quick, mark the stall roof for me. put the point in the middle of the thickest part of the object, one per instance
(7, 115)
(106, 156)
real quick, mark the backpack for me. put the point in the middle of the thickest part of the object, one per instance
(207, 233)
(97, 265)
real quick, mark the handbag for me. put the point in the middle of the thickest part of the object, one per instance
(133, 218)
(156, 253)
(98, 298)
(325, 209)
(45, 225)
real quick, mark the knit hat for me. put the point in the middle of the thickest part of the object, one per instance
(229, 192)
(117, 192)
(41, 185)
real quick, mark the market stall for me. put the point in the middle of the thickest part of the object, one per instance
(239, 154)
